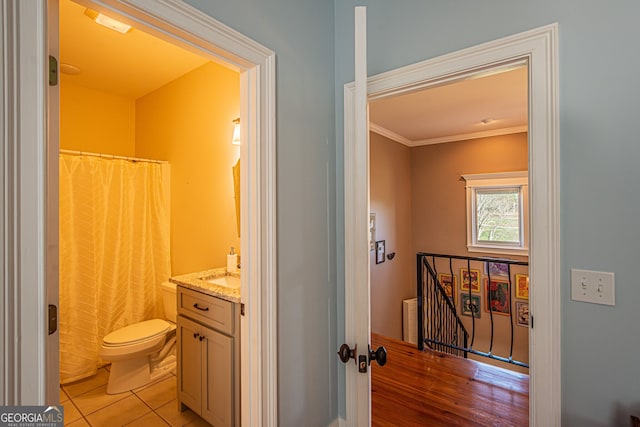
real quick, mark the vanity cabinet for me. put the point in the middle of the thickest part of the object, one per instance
(208, 357)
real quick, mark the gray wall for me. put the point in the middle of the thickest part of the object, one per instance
(599, 151)
(301, 34)
(599, 89)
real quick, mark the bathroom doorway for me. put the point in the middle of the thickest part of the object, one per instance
(179, 25)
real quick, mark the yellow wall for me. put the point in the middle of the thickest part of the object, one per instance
(95, 121)
(189, 122)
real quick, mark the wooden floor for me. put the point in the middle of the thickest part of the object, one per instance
(432, 389)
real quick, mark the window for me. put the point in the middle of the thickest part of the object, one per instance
(498, 213)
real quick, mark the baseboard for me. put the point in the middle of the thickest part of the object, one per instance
(338, 422)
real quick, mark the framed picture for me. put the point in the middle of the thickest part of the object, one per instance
(522, 313)
(470, 276)
(470, 305)
(496, 269)
(379, 251)
(522, 286)
(449, 285)
(497, 296)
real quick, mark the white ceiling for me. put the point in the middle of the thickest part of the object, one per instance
(137, 63)
(455, 111)
(130, 65)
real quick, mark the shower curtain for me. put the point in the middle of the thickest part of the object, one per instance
(114, 252)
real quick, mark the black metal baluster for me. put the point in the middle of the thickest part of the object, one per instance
(490, 302)
(420, 308)
(473, 318)
(510, 311)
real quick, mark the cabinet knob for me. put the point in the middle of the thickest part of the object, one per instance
(201, 338)
(196, 335)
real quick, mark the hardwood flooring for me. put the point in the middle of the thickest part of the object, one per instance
(429, 388)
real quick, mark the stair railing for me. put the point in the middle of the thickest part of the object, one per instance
(439, 325)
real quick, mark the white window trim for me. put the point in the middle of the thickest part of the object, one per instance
(495, 181)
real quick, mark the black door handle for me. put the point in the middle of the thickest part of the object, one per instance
(345, 353)
(380, 356)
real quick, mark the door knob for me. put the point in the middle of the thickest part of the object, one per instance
(380, 356)
(345, 353)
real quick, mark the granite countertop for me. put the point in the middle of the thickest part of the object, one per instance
(198, 282)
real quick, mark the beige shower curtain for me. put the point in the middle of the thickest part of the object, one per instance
(114, 252)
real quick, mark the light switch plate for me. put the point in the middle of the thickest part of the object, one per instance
(597, 287)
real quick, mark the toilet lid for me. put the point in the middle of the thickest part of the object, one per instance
(137, 332)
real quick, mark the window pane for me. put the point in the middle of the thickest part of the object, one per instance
(498, 216)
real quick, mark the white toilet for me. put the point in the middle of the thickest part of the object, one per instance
(142, 352)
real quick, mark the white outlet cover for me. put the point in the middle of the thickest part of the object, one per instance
(597, 287)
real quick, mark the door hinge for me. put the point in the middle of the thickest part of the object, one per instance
(53, 318)
(241, 309)
(531, 322)
(53, 71)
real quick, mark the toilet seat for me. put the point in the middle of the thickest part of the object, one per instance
(137, 333)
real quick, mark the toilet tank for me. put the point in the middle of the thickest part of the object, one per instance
(169, 300)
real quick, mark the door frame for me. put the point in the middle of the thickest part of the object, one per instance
(538, 49)
(26, 172)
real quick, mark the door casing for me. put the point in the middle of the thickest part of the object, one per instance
(538, 49)
(26, 372)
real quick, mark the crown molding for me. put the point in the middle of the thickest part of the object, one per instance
(373, 127)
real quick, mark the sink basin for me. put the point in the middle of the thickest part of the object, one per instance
(226, 281)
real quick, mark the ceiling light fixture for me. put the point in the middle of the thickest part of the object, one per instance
(235, 140)
(105, 21)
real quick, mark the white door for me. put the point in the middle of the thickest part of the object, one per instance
(357, 297)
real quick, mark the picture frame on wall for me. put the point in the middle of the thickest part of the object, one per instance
(496, 268)
(449, 285)
(470, 305)
(470, 276)
(380, 251)
(522, 313)
(497, 296)
(522, 286)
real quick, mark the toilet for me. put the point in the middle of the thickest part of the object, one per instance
(143, 352)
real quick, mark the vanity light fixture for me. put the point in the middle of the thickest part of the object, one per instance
(235, 140)
(105, 21)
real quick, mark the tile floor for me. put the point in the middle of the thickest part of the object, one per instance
(86, 403)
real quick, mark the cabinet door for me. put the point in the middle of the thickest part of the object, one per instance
(189, 363)
(218, 401)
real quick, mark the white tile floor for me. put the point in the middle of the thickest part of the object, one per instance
(86, 403)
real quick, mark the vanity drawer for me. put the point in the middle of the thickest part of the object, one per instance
(211, 311)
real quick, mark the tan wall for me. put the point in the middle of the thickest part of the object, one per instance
(95, 121)
(189, 122)
(437, 223)
(439, 209)
(393, 280)
(439, 216)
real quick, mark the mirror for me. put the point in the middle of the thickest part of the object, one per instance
(236, 192)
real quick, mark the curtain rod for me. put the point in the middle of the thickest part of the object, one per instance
(111, 156)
